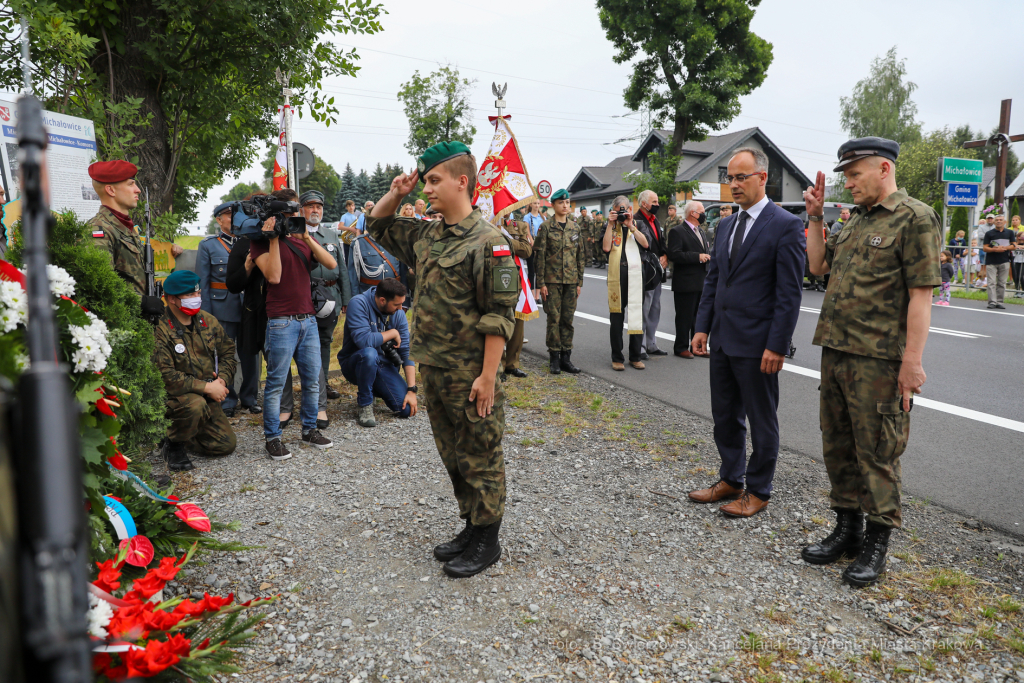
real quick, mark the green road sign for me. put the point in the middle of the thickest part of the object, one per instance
(960, 170)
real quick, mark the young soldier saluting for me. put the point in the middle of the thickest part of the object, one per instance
(467, 287)
(558, 254)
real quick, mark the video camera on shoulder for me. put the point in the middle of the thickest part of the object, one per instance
(248, 217)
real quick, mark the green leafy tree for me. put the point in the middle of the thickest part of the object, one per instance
(1014, 209)
(937, 207)
(187, 88)
(438, 109)
(958, 221)
(881, 104)
(661, 178)
(348, 187)
(915, 169)
(696, 59)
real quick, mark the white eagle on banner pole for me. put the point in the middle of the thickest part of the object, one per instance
(502, 186)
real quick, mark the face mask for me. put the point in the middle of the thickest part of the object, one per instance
(701, 217)
(191, 305)
(654, 208)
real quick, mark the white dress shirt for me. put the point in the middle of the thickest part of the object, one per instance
(753, 212)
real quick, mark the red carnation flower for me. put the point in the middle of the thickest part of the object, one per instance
(109, 575)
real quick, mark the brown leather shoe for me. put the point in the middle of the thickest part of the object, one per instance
(618, 366)
(719, 491)
(638, 365)
(747, 506)
(685, 354)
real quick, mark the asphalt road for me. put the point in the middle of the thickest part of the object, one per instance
(967, 433)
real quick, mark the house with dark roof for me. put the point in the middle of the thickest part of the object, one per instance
(705, 162)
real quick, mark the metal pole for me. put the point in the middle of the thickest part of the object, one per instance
(945, 199)
(293, 162)
(288, 139)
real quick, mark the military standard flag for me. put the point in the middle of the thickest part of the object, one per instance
(502, 184)
(281, 159)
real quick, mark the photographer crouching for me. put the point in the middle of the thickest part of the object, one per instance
(284, 251)
(375, 344)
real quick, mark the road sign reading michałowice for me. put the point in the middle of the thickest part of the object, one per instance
(960, 170)
(962, 194)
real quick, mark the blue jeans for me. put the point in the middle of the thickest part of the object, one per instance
(287, 339)
(375, 376)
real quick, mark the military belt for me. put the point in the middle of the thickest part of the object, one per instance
(330, 283)
(218, 285)
(367, 281)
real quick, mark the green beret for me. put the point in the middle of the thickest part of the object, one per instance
(561, 194)
(439, 153)
(181, 282)
(311, 196)
(583, 208)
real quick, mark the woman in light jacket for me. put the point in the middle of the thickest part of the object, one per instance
(623, 242)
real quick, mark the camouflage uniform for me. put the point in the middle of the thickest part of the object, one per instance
(185, 357)
(600, 224)
(125, 248)
(463, 293)
(558, 254)
(877, 256)
(522, 248)
(586, 224)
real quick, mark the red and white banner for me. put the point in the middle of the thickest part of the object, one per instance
(526, 307)
(281, 160)
(502, 184)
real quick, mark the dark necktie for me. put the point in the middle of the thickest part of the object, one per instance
(737, 240)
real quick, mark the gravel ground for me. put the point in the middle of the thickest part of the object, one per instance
(609, 572)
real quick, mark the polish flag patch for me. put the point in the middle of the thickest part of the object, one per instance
(98, 233)
(500, 250)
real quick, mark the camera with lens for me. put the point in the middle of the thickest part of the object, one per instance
(622, 215)
(248, 217)
(390, 351)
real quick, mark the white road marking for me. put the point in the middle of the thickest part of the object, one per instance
(921, 401)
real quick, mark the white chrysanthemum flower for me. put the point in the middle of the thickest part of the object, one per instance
(92, 348)
(21, 362)
(99, 615)
(61, 283)
(13, 305)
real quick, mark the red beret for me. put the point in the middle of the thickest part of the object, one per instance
(112, 171)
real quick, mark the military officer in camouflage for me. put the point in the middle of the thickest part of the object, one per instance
(600, 257)
(522, 246)
(586, 224)
(873, 327)
(196, 358)
(113, 230)
(467, 287)
(558, 255)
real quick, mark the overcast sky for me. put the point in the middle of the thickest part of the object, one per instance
(565, 92)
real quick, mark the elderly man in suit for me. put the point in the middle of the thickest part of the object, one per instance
(749, 308)
(689, 250)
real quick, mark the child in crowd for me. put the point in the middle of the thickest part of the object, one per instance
(976, 280)
(957, 246)
(946, 265)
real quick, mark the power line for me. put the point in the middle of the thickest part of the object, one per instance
(483, 71)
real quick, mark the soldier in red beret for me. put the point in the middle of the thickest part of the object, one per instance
(112, 228)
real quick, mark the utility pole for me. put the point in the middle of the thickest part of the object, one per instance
(1001, 141)
(284, 79)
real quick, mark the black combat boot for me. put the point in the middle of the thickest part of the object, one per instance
(483, 551)
(870, 564)
(566, 363)
(176, 457)
(556, 357)
(846, 540)
(516, 372)
(456, 546)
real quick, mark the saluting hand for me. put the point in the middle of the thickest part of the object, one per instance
(404, 184)
(814, 197)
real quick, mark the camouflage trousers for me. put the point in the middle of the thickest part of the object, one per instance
(470, 445)
(589, 251)
(560, 308)
(863, 434)
(201, 423)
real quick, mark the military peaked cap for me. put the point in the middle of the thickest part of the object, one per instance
(861, 148)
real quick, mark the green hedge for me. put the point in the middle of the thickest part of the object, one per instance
(105, 293)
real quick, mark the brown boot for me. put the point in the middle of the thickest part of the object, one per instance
(719, 491)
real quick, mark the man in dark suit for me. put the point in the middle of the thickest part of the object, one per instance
(688, 249)
(749, 307)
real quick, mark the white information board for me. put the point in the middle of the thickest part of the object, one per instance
(71, 148)
(709, 191)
